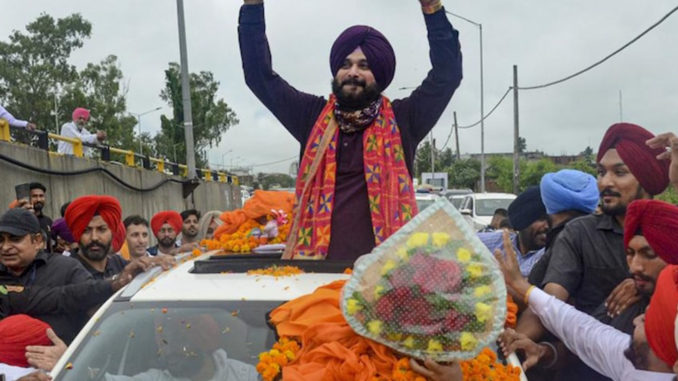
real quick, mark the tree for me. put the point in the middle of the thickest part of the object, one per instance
(534, 171)
(268, 180)
(500, 169)
(422, 158)
(99, 88)
(464, 173)
(211, 116)
(522, 144)
(35, 64)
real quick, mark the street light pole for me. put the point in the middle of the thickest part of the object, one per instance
(139, 124)
(186, 93)
(482, 101)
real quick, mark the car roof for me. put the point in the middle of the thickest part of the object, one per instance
(184, 284)
(481, 196)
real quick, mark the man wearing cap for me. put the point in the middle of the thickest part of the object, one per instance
(166, 226)
(37, 194)
(24, 263)
(354, 186)
(588, 259)
(528, 217)
(76, 130)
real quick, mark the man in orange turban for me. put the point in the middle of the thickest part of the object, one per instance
(166, 226)
(95, 222)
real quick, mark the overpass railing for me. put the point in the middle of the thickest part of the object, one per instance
(131, 158)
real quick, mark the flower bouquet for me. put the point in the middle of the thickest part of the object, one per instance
(432, 290)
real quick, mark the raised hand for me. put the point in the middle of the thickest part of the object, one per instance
(45, 357)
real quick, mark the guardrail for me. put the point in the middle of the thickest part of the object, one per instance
(132, 159)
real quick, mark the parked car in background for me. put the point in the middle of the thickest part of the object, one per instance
(480, 207)
(457, 200)
(425, 199)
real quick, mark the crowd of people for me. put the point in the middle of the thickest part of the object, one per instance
(58, 272)
(591, 261)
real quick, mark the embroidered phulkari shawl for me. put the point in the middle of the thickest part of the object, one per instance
(389, 185)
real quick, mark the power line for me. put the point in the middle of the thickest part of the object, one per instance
(604, 59)
(490, 112)
(274, 162)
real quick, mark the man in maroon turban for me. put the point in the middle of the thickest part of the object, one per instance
(588, 260)
(354, 185)
(166, 226)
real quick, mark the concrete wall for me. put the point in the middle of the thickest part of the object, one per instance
(60, 189)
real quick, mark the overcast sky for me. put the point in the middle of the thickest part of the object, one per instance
(546, 39)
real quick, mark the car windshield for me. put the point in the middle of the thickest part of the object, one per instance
(424, 203)
(168, 341)
(487, 206)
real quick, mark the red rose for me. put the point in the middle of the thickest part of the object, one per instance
(414, 311)
(385, 307)
(455, 321)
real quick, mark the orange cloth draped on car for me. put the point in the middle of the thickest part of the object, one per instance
(330, 349)
(259, 205)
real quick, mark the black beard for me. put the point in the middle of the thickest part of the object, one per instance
(369, 94)
(95, 257)
(167, 242)
(637, 354)
(38, 207)
(620, 209)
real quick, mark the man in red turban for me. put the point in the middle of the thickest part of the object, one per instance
(354, 187)
(166, 226)
(659, 324)
(628, 170)
(16, 333)
(95, 222)
(657, 221)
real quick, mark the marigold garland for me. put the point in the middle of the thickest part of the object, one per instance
(485, 367)
(271, 363)
(243, 241)
(277, 271)
(511, 313)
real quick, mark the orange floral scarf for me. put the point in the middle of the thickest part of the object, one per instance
(389, 185)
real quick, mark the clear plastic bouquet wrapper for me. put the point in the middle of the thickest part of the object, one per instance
(431, 290)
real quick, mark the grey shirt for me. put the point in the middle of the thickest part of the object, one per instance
(588, 260)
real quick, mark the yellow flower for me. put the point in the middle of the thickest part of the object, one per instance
(463, 255)
(476, 270)
(417, 240)
(483, 312)
(440, 239)
(353, 306)
(434, 346)
(402, 253)
(409, 342)
(374, 327)
(468, 341)
(388, 266)
(482, 291)
(378, 290)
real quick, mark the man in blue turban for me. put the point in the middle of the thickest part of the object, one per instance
(354, 185)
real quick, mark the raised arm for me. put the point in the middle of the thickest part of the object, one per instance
(296, 110)
(427, 102)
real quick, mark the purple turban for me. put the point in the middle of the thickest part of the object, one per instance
(60, 229)
(374, 45)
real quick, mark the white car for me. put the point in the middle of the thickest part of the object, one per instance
(480, 207)
(425, 200)
(207, 301)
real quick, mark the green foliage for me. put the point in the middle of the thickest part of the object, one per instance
(464, 173)
(669, 195)
(500, 169)
(211, 116)
(282, 180)
(533, 171)
(522, 144)
(422, 159)
(35, 63)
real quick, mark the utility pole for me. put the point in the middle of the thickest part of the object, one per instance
(482, 116)
(456, 134)
(621, 107)
(186, 93)
(516, 132)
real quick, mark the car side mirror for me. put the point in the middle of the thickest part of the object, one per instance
(465, 212)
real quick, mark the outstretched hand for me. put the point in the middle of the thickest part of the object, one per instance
(511, 341)
(45, 357)
(508, 263)
(669, 141)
